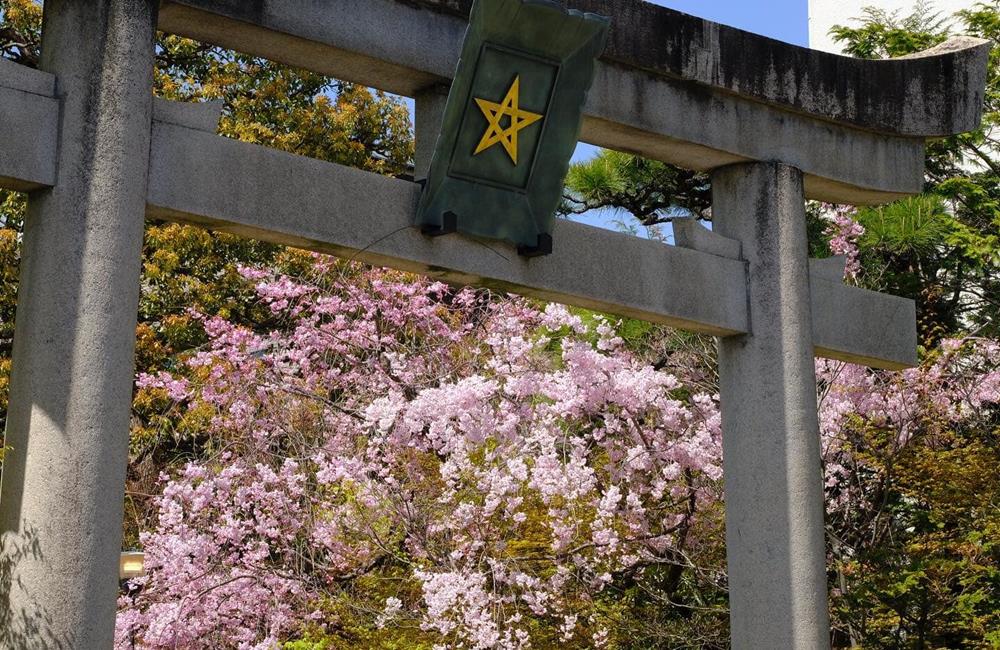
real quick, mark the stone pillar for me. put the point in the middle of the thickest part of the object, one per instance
(774, 487)
(429, 105)
(61, 499)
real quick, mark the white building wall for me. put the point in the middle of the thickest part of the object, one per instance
(824, 14)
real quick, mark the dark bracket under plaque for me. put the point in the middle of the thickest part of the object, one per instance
(543, 247)
(511, 123)
(448, 226)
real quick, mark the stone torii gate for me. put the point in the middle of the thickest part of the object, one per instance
(774, 123)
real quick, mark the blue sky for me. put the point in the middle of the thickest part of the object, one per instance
(786, 20)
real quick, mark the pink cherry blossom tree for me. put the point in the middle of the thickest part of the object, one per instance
(488, 468)
(507, 460)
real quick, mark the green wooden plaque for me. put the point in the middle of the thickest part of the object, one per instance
(512, 122)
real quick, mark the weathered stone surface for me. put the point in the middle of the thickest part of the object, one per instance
(692, 127)
(771, 447)
(829, 268)
(257, 192)
(835, 337)
(937, 94)
(690, 233)
(657, 115)
(29, 132)
(856, 325)
(29, 127)
(428, 111)
(29, 80)
(202, 116)
(274, 196)
(62, 494)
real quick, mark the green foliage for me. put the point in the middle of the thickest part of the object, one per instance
(289, 109)
(682, 603)
(926, 572)
(930, 576)
(651, 191)
(12, 207)
(909, 244)
(20, 31)
(912, 227)
(883, 34)
(943, 249)
(817, 230)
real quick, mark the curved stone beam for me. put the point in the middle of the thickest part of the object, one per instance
(669, 87)
(934, 93)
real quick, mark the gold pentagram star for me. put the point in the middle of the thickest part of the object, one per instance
(519, 119)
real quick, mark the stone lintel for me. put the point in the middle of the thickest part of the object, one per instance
(278, 197)
(934, 93)
(26, 79)
(250, 190)
(861, 326)
(690, 233)
(829, 268)
(405, 47)
(29, 133)
(254, 191)
(201, 116)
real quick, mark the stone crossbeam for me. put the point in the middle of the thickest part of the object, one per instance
(254, 191)
(201, 178)
(29, 127)
(671, 87)
(921, 95)
(198, 177)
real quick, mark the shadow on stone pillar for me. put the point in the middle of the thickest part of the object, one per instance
(771, 448)
(62, 492)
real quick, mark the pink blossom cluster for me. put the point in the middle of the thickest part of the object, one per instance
(506, 460)
(844, 232)
(959, 385)
(176, 388)
(230, 531)
(511, 458)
